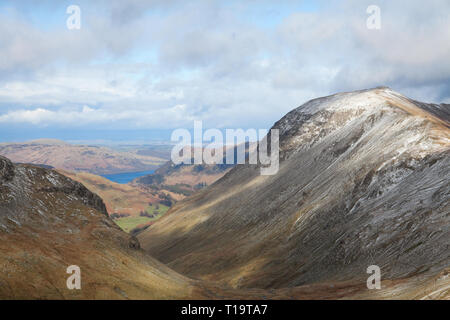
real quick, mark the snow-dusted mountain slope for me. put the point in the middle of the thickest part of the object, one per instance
(364, 179)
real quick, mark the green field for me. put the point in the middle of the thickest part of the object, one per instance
(162, 209)
(129, 223)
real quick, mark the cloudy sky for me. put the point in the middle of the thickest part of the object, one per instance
(137, 69)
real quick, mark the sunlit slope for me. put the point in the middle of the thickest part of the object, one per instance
(364, 179)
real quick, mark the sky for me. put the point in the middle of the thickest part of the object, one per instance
(137, 69)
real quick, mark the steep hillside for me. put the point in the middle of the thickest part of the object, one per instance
(364, 179)
(49, 222)
(93, 159)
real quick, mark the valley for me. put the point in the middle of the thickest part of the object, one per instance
(136, 205)
(363, 180)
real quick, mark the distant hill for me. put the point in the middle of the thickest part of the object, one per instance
(93, 159)
(48, 141)
(45, 166)
(182, 180)
(159, 151)
(186, 179)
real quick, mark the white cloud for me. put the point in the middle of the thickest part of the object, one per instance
(88, 115)
(159, 65)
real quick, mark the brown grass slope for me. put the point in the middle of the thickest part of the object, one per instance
(49, 222)
(363, 180)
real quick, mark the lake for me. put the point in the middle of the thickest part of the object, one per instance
(126, 176)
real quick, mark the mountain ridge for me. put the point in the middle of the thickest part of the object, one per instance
(71, 157)
(350, 166)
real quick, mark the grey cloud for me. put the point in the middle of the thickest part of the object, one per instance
(212, 64)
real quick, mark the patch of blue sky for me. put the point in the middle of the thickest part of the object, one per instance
(45, 16)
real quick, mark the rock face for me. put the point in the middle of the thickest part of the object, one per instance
(6, 169)
(363, 180)
(18, 181)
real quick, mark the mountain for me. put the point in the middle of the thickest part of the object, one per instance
(363, 180)
(181, 180)
(93, 159)
(160, 151)
(49, 222)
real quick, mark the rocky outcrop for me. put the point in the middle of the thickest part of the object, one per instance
(6, 169)
(134, 243)
(17, 177)
(81, 192)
